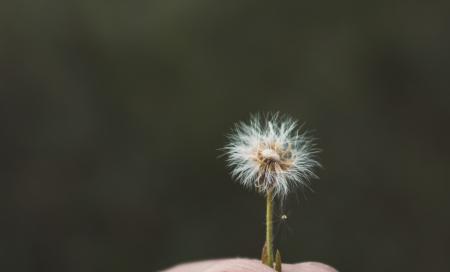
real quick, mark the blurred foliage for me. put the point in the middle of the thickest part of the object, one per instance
(112, 114)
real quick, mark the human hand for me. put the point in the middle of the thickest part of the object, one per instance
(247, 265)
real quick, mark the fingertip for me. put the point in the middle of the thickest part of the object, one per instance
(308, 267)
(247, 265)
(239, 265)
(192, 267)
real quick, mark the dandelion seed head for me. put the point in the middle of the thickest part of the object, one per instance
(270, 153)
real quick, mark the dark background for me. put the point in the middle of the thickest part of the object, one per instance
(112, 114)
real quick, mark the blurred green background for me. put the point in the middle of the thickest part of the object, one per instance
(112, 114)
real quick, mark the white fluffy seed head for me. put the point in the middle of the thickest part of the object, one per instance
(270, 153)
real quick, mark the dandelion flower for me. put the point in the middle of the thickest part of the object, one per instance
(270, 153)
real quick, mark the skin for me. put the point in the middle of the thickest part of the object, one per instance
(247, 265)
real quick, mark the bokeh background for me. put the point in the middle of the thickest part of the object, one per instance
(112, 114)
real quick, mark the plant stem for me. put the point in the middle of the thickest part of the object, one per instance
(269, 228)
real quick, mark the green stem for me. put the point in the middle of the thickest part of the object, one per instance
(269, 228)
